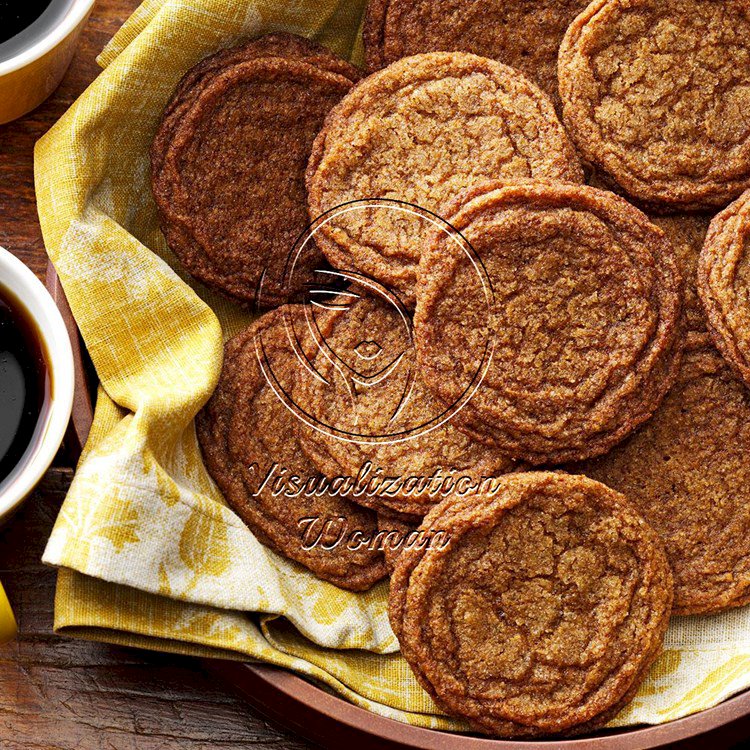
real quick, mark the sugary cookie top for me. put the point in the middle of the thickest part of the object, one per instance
(657, 94)
(249, 439)
(524, 34)
(582, 326)
(373, 407)
(547, 604)
(420, 131)
(229, 159)
(686, 470)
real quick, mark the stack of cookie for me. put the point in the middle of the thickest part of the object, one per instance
(463, 337)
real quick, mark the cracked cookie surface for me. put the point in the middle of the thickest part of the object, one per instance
(686, 470)
(420, 131)
(377, 410)
(724, 283)
(246, 430)
(580, 338)
(542, 614)
(524, 34)
(656, 93)
(229, 158)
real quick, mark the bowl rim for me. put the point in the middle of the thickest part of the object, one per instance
(313, 712)
(23, 284)
(77, 12)
(302, 706)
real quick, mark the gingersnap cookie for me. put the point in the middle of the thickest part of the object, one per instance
(419, 132)
(576, 343)
(283, 45)
(543, 613)
(525, 35)
(656, 93)
(686, 470)
(229, 158)
(375, 420)
(250, 444)
(724, 284)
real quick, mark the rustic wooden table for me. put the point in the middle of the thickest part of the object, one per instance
(58, 693)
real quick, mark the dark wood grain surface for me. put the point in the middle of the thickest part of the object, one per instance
(58, 693)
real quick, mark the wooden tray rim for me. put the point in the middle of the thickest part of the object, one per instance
(320, 716)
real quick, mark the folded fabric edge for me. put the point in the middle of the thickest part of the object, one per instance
(129, 31)
(91, 609)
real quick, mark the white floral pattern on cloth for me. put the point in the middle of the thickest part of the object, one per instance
(149, 554)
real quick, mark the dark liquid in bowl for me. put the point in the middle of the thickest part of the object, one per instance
(25, 22)
(25, 384)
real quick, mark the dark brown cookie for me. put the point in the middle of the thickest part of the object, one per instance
(378, 420)
(656, 93)
(229, 158)
(724, 284)
(524, 34)
(687, 471)
(543, 613)
(249, 439)
(579, 342)
(420, 131)
(287, 46)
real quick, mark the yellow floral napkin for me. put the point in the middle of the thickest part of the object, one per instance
(148, 552)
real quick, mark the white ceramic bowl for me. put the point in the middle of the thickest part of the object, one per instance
(25, 286)
(29, 77)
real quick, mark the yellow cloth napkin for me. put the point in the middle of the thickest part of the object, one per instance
(149, 554)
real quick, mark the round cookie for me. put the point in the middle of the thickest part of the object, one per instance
(420, 131)
(376, 417)
(580, 341)
(543, 613)
(656, 93)
(687, 472)
(524, 34)
(287, 46)
(250, 444)
(228, 164)
(724, 283)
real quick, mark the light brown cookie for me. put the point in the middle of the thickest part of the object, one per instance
(250, 444)
(420, 131)
(228, 164)
(377, 419)
(579, 342)
(724, 284)
(687, 472)
(543, 613)
(524, 34)
(656, 93)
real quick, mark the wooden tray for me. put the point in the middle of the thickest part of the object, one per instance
(322, 717)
